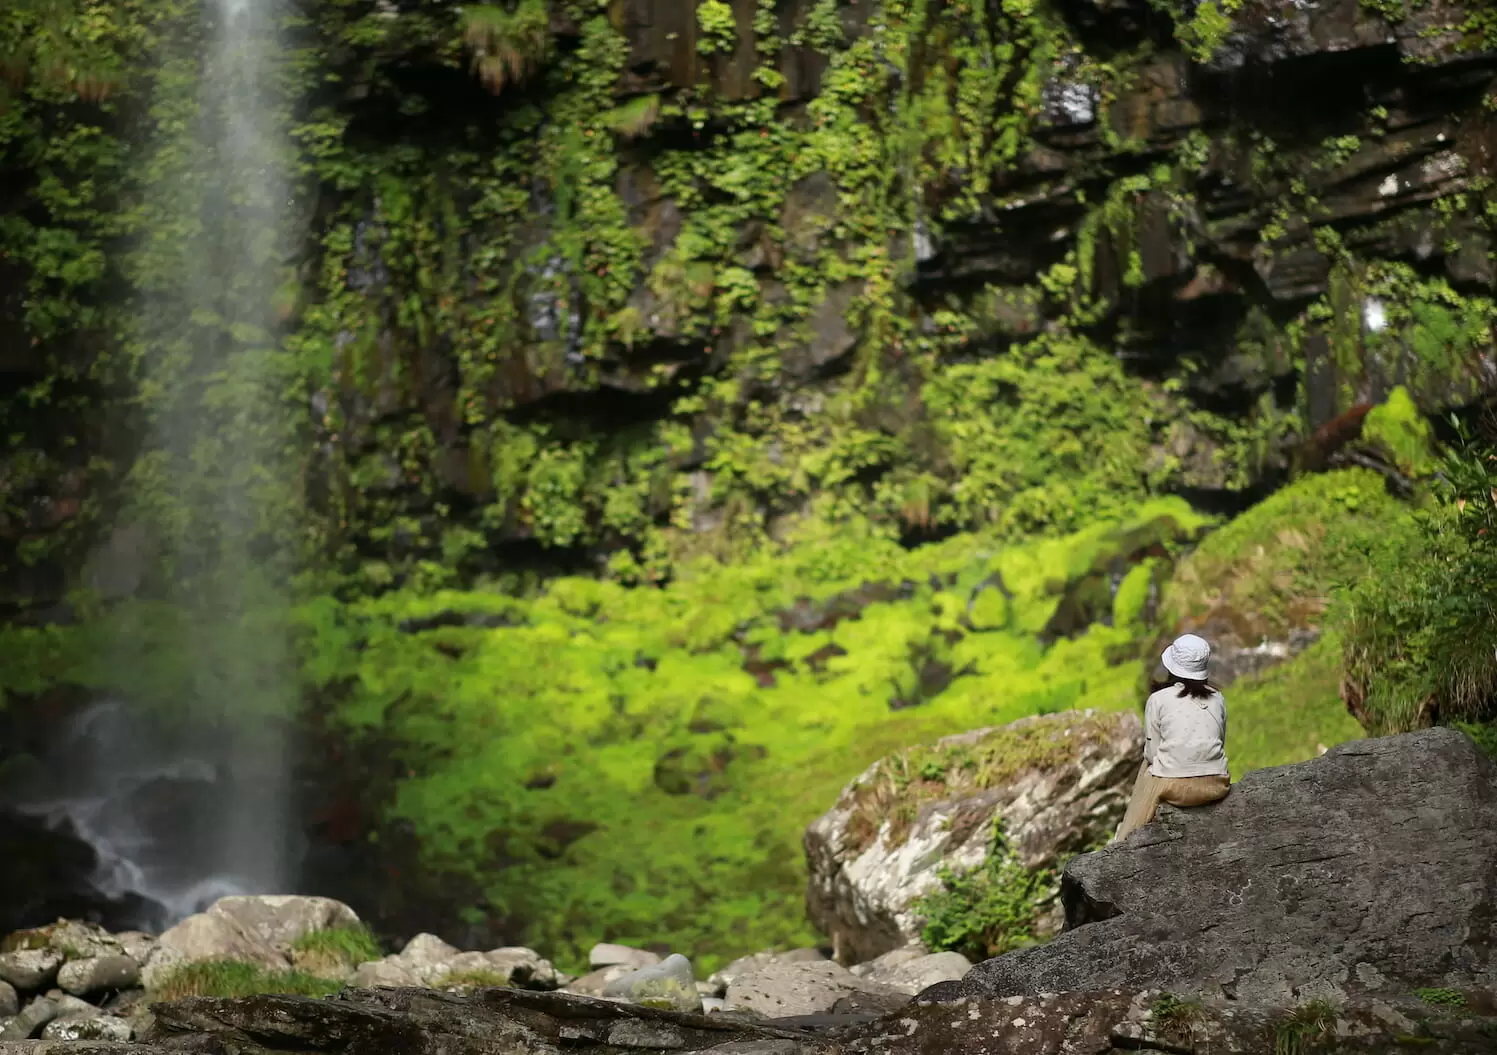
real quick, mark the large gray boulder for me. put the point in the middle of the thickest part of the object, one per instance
(259, 929)
(1371, 869)
(1058, 783)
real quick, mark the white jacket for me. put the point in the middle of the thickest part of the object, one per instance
(1185, 737)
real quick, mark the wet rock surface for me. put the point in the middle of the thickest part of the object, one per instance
(1368, 870)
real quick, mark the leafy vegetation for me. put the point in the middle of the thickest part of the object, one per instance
(630, 756)
(1305, 1028)
(1421, 634)
(989, 910)
(1441, 996)
(1175, 1015)
(708, 721)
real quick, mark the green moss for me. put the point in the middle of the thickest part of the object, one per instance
(472, 980)
(232, 978)
(1397, 426)
(1289, 712)
(1275, 567)
(899, 785)
(709, 720)
(1442, 997)
(344, 946)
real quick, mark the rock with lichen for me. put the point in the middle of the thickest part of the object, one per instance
(1056, 784)
(1366, 871)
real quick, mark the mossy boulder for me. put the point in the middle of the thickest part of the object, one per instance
(1056, 784)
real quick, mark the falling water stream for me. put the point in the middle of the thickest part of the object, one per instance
(185, 799)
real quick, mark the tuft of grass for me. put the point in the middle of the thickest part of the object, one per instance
(1442, 996)
(1305, 1028)
(479, 979)
(350, 945)
(230, 978)
(1175, 1014)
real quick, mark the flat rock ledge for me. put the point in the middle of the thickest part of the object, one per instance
(1369, 871)
(520, 1022)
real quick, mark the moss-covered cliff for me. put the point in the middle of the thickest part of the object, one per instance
(612, 289)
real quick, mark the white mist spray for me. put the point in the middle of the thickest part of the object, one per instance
(184, 792)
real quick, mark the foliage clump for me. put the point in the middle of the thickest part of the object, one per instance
(1420, 634)
(988, 910)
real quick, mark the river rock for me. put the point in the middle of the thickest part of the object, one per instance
(1368, 869)
(81, 977)
(919, 973)
(30, 969)
(10, 1001)
(606, 954)
(595, 982)
(88, 1027)
(1058, 784)
(257, 930)
(427, 960)
(785, 990)
(670, 983)
(31, 1018)
(720, 979)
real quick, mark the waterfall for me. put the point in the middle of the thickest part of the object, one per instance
(216, 487)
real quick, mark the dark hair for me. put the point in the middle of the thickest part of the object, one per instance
(1190, 688)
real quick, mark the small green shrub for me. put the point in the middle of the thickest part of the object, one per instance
(1421, 633)
(1401, 431)
(230, 978)
(1443, 997)
(987, 911)
(1305, 1028)
(1174, 1014)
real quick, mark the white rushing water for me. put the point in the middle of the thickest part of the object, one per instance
(148, 805)
(183, 792)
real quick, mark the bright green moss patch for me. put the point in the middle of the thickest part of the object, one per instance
(638, 764)
(233, 978)
(1289, 712)
(1398, 427)
(1275, 567)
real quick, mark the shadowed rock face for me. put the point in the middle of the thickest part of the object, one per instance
(1372, 869)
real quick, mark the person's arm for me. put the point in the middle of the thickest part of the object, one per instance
(1151, 734)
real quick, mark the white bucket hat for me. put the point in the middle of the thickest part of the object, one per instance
(1188, 657)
